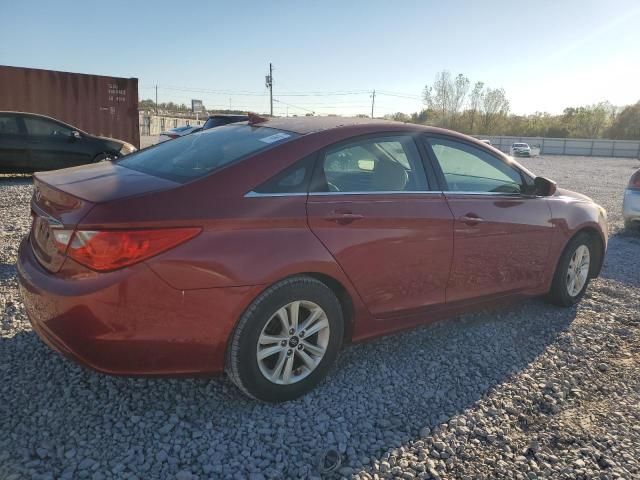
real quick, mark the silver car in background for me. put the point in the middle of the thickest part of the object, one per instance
(631, 203)
(521, 150)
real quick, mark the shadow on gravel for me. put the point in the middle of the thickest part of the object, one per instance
(7, 271)
(620, 262)
(379, 395)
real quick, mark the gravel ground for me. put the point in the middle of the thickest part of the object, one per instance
(527, 391)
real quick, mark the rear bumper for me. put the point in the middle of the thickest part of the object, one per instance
(130, 322)
(631, 205)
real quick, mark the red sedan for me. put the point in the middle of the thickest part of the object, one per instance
(260, 248)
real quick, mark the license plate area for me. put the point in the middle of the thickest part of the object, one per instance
(43, 244)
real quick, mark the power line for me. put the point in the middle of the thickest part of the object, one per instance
(399, 95)
(294, 106)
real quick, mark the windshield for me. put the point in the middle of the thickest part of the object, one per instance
(196, 155)
(520, 145)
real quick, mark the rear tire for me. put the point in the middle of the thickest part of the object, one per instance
(573, 271)
(271, 357)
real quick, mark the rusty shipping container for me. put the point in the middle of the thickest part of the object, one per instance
(105, 106)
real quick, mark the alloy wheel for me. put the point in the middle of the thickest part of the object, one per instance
(293, 342)
(578, 270)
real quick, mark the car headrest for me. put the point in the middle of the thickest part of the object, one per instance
(389, 176)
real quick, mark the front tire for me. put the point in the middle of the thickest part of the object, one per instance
(573, 271)
(286, 341)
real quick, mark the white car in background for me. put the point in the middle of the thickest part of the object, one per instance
(631, 203)
(178, 132)
(521, 150)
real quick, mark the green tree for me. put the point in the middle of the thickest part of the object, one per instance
(626, 126)
(475, 101)
(588, 121)
(495, 107)
(398, 117)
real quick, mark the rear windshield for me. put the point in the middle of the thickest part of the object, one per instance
(520, 145)
(196, 155)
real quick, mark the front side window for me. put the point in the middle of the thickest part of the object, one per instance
(380, 164)
(9, 125)
(194, 156)
(469, 169)
(44, 127)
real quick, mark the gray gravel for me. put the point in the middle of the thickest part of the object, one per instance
(527, 391)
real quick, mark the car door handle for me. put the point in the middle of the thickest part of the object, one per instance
(471, 219)
(343, 218)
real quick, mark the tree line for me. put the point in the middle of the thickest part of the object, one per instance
(452, 102)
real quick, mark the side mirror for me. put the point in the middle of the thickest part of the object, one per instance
(544, 187)
(75, 135)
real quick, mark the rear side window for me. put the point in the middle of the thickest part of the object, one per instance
(44, 127)
(9, 125)
(378, 164)
(194, 156)
(294, 179)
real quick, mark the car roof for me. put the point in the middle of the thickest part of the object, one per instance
(359, 125)
(304, 125)
(38, 115)
(228, 115)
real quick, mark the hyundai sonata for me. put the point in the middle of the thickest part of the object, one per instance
(260, 248)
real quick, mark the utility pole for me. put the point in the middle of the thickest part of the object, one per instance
(373, 102)
(269, 85)
(156, 99)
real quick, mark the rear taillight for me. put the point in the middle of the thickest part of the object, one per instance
(634, 181)
(173, 136)
(107, 250)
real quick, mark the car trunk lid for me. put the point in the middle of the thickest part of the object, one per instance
(53, 210)
(103, 181)
(62, 198)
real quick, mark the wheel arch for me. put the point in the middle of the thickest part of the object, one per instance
(337, 287)
(596, 237)
(344, 297)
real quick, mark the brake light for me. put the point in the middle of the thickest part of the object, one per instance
(173, 136)
(108, 250)
(634, 181)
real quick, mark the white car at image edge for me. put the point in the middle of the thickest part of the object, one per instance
(631, 203)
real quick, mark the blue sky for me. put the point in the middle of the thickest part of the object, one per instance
(546, 54)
